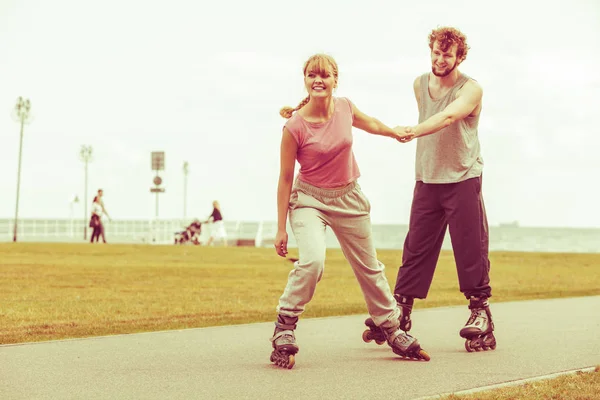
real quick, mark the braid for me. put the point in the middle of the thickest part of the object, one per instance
(286, 112)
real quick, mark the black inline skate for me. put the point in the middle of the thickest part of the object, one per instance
(375, 333)
(404, 344)
(284, 342)
(479, 329)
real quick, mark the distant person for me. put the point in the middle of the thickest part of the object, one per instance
(100, 201)
(217, 227)
(448, 190)
(325, 193)
(96, 220)
(191, 233)
(193, 230)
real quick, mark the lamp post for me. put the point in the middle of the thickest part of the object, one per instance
(72, 203)
(185, 175)
(86, 156)
(21, 114)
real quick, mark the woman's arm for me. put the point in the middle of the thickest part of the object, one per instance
(372, 125)
(288, 151)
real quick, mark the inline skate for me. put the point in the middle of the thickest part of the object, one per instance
(375, 333)
(284, 342)
(404, 344)
(479, 329)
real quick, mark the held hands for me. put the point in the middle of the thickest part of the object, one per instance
(404, 134)
(281, 240)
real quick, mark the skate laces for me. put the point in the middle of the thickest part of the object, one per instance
(284, 337)
(404, 338)
(400, 339)
(475, 314)
(473, 317)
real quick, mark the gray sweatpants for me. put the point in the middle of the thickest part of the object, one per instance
(346, 211)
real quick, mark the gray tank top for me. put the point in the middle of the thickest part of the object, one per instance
(451, 154)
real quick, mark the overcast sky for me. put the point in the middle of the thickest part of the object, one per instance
(204, 82)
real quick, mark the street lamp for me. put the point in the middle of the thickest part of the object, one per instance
(185, 175)
(72, 203)
(21, 114)
(86, 156)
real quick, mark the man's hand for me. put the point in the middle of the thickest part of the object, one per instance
(404, 134)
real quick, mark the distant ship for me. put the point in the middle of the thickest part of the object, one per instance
(513, 224)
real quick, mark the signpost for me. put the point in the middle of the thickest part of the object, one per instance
(158, 164)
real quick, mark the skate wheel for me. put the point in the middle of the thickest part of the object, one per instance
(272, 358)
(468, 346)
(291, 361)
(423, 355)
(369, 322)
(493, 347)
(366, 336)
(379, 342)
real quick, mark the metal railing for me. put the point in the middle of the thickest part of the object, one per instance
(128, 231)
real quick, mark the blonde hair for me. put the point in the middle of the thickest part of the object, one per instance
(317, 63)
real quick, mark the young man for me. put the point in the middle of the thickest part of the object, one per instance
(448, 189)
(101, 202)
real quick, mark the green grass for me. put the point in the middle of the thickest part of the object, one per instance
(56, 291)
(578, 386)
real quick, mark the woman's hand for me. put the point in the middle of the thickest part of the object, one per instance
(281, 240)
(404, 134)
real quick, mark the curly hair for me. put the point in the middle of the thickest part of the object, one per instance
(317, 63)
(448, 36)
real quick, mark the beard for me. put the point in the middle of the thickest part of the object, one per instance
(444, 72)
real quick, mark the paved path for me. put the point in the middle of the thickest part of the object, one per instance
(535, 338)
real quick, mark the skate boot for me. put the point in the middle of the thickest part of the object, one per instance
(375, 333)
(478, 330)
(404, 344)
(284, 342)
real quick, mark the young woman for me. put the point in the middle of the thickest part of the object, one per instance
(217, 229)
(325, 193)
(96, 221)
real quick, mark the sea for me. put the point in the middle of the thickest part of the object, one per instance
(502, 238)
(507, 237)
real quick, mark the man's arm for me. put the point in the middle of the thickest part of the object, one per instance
(468, 98)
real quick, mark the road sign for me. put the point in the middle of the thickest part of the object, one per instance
(158, 160)
(157, 190)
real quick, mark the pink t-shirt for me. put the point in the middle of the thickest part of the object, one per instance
(325, 149)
